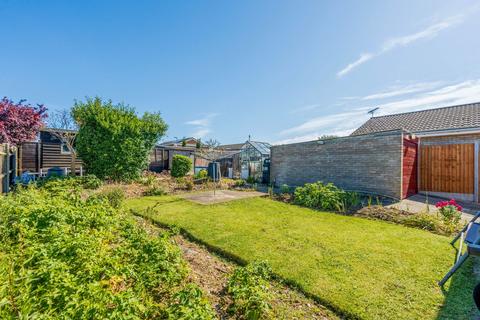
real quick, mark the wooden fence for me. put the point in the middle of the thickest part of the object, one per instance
(447, 168)
(8, 167)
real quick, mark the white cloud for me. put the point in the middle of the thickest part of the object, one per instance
(397, 90)
(346, 121)
(321, 125)
(390, 44)
(364, 57)
(202, 125)
(460, 93)
(427, 33)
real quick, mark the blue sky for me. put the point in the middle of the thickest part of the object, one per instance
(281, 71)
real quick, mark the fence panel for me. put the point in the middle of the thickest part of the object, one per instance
(447, 168)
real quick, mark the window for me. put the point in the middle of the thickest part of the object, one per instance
(64, 149)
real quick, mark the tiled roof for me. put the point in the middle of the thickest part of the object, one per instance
(455, 117)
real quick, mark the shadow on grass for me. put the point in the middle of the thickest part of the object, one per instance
(458, 303)
(149, 213)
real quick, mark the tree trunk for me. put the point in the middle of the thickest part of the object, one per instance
(73, 163)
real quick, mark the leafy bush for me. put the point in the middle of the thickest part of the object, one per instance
(249, 287)
(67, 258)
(155, 191)
(181, 165)
(202, 174)
(148, 179)
(284, 188)
(424, 221)
(190, 303)
(114, 196)
(90, 181)
(240, 183)
(251, 180)
(113, 141)
(189, 185)
(324, 196)
(451, 213)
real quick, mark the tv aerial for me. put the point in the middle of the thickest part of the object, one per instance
(372, 112)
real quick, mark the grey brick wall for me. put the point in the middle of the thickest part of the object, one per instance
(370, 163)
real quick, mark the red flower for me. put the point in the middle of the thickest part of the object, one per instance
(452, 202)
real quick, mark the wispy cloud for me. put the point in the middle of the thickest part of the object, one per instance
(392, 43)
(202, 125)
(400, 90)
(420, 96)
(364, 57)
(459, 93)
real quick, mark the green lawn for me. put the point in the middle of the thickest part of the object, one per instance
(363, 268)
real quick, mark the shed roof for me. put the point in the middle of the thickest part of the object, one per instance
(454, 117)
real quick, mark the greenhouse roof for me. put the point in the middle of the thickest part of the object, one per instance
(262, 147)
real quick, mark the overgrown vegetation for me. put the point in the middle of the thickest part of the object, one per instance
(181, 165)
(426, 221)
(64, 257)
(249, 287)
(325, 197)
(112, 141)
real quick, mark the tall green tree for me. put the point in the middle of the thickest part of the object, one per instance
(113, 141)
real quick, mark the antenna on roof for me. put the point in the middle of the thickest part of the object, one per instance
(372, 112)
(249, 137)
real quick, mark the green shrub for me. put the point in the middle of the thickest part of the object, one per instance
(114, 196)
(181, 165)
(66, 258)
(202, 174)
(148, 179)
(189, 185)
(240, 183)
(324, 196)
(112, 141)
(155, 191)
(90, 181)
(248, 287)
(190, 303)
(284, 188)
(251, 180)
(424, 221)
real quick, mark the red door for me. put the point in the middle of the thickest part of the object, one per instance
(409, 179)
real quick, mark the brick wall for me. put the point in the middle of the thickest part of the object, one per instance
(370, 163)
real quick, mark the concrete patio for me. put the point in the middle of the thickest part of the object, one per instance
(208, 197)
(423, 203)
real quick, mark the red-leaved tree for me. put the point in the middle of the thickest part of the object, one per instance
(20, 122)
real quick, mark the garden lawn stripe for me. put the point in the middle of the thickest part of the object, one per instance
(365, 268)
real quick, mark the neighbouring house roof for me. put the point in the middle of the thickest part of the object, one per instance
(446, 118)
(233, 146)
(262, 147)
(176, 141)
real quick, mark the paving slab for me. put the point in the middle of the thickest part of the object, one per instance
(209, 197)
(421, 203)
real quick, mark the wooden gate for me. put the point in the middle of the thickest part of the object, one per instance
(409, 167)
(447, 168)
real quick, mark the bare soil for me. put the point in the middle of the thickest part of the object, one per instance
(210, 272)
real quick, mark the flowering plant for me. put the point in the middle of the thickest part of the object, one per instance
(451, 213)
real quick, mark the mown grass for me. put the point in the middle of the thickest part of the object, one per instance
(361, 268)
